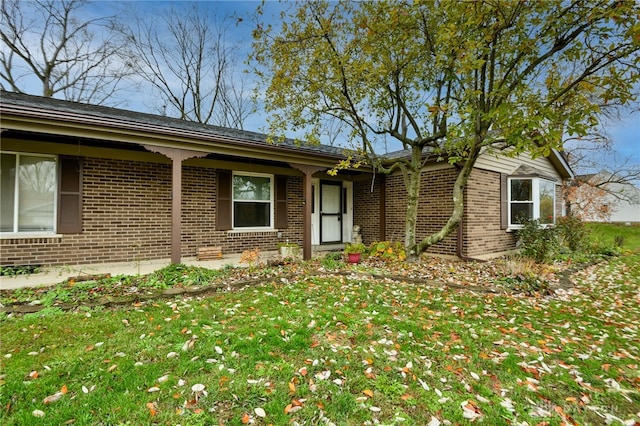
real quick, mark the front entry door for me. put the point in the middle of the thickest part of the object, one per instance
(330, 212)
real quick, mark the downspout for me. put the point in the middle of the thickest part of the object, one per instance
(460, 244)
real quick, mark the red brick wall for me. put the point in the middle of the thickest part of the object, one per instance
(481, 227)
(366, 209)
(434, 208)
(127, 217)
(126, 214)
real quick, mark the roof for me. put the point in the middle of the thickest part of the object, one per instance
(24, 112)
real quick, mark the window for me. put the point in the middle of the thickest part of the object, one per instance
(28, 192)
(531, 198)
(252, 201)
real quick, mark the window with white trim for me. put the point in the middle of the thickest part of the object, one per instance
(28, 192)
(531, 198)
(252, 201)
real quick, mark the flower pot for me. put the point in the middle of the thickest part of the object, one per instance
(354, 257)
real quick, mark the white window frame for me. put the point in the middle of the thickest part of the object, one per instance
(535, 194)
(270, 202)
(16, 198)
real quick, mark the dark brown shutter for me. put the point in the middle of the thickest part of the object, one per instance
(224, 201)
(281, 203)
(504, 202)
(70, 195)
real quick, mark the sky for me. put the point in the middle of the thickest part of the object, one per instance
(624, 133)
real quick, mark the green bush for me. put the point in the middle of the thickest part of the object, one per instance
(388, 250)
(332, 261)
(538, 242)
(527, 284)
(19, 270)
(572, 233)
(600, 246)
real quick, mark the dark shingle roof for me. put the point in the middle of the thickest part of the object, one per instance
(193, 129)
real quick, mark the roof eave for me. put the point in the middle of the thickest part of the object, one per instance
(42, 120)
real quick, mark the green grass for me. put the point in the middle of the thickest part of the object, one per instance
(335, 349)
(610, 233)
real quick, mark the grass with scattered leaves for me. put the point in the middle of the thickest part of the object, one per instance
(335, 349)
(627, 236)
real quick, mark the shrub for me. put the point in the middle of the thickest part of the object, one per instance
(19, 270)
(537, 242)
(332, 261)
(600, 246)
(526, 284)
(522, 275)
(388, 250)
(572, 232)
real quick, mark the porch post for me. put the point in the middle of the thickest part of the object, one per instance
(177, 156)
(307, 173)
(176, 207)
(306, 219)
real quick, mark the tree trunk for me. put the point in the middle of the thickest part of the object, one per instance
(413, 184)
(458, 204)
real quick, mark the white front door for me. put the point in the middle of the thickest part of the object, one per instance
(330, 212)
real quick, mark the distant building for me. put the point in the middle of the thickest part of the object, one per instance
(599, 198)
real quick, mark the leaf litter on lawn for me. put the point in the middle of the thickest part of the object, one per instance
(336, 349)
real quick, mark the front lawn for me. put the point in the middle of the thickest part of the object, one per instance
(627, 236)
(327, 348)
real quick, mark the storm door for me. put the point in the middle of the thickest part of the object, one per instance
(330, 212)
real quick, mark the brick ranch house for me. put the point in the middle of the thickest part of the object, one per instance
(89, 184)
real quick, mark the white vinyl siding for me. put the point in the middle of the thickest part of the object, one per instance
(508, 165)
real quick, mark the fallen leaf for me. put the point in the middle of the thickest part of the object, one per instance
(198, 387)
(246, 418)
(53, 398)
(153, 409)
(470, 410)
(38, 413)
(434, 422)
(260, 412)
(368, 392)
(291, 408)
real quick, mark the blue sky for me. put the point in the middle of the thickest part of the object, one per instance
(624, 133)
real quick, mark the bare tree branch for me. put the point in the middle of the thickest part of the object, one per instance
(187, 58)
(47, 41)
